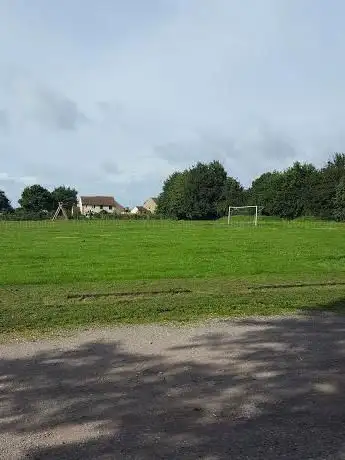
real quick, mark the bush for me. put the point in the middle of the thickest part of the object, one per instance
(104, 215)
(20, 214)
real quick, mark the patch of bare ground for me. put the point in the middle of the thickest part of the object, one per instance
(242, 389)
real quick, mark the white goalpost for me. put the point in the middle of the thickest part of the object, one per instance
(243, 215)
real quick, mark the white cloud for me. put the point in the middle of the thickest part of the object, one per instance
(25, 180)
(4, 176)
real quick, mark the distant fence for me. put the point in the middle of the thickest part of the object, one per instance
(70, 223)
(264, 222)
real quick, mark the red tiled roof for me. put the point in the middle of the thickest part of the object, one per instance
(100, 201)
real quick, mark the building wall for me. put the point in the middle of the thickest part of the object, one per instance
(150, 205)
(135, 211)
(97, 209)
(85, 209)
(79, 204)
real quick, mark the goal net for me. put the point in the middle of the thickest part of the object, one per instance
(243, 215)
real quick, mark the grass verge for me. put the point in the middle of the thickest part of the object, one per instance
(41, 309)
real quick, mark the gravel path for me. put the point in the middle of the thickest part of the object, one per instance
(246, 389)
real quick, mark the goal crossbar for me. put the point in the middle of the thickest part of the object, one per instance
(255, 214)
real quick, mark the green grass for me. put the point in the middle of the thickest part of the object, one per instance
(68, 274)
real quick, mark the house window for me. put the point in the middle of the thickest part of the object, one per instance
(110, 208)
(101, 206)
(94, 206)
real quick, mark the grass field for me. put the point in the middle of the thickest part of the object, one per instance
(67, 274)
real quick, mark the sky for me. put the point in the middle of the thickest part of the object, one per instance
(110, 97)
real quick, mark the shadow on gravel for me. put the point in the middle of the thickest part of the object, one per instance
(276, 390)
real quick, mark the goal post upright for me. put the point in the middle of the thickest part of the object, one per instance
(254, 212)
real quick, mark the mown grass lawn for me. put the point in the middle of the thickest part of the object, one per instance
(67, 274)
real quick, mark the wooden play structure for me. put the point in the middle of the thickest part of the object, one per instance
(60, 210)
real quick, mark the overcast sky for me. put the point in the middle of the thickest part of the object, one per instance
(111, 96)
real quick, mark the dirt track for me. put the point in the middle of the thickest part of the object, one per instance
(250, 389)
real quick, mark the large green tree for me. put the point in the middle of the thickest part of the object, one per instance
(36, 198)
(203, 190)
(65, 195)
(5, 204)
(339, 200)
(286, 194)
(264, 192)
(233, 194)
(193, 193)
(326, 187)
(171, 202)
(294, 197)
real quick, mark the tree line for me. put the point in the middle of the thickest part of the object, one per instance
(205, 191)
(37, 202)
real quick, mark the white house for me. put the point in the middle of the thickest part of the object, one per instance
(96, 204)
(139, 210)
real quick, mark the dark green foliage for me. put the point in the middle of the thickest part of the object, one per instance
(285, 194)
(36, 199)
(194, 193)
(20, 214)
(5, 204)
(233, 194)
(339, 201)
(66, 195)
(38, 203)
(171, 202)
(300, 190)
(296, 189)
(326, 186)
(263, 192)
(204, 186)
(206, 192)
